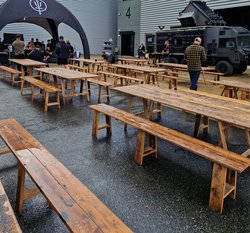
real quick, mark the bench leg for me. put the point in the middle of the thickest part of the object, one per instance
(153, 145)
(20, 188)
(22, 84)
(218, 183)
(108, 94)
(99, 94)
(4, 75)
(223, 184)
(141, 151)
(46, 101)
(32, 93)
(13, 79)
(108, 123)
(140, 141)
(247, 131)
(95, 124)
(58, 99)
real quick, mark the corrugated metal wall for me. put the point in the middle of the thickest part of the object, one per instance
(97, 17)
(156, 13)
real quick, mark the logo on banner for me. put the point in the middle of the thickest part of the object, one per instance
(38, 5)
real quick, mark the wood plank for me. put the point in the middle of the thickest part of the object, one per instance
(9, 222)
(4, 150)
(85, 199)
(196, 146)
(179, 100)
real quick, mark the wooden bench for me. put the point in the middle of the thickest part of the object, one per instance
(8, 222)
(79, 209)
(226, 164)
(101, 85)
(123, 79)
(216, 75)
(12, 72)
(172, 80)
(45, 87)
(78, 68)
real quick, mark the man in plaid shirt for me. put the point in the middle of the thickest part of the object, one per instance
(195, 54)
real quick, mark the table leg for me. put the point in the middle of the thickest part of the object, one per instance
(87, 89)
(223, 141)
(203, 76)
(63, 92)
(145, 108)
(146, 78)
(22, 70)
(129, 110)
(72, 90)
(235, 90)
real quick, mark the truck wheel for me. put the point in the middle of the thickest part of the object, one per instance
(224, 67)
(241, 69)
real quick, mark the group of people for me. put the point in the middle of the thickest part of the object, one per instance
(194, 55)
(38, 51)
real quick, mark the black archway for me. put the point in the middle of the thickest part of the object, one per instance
(47, 14)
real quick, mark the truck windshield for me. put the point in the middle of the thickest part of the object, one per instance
(244, 41)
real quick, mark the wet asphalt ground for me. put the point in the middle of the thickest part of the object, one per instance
(167, 195)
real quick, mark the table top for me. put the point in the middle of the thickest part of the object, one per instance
(181, 66)
(140, 68)
(91, 61)
(218, 108)
(27, 62)
(230, 83)
(66, 73)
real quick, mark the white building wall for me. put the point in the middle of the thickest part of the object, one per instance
(156, 13)
(97, 17)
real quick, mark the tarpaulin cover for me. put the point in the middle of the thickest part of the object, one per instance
(45, 13)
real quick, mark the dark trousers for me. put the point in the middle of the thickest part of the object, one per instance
(20, 56)
(194, 77)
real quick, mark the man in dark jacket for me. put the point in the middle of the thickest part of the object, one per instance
(62, 52)
(195, 54)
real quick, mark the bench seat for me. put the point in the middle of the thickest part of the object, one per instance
(8, 222)
(224, 162)
(78, 68)
(124, 80)
(79, 209)
(47, 88)
(12, 72)
(216, 75)
(101, 85)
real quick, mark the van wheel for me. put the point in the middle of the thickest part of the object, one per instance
(224, 67)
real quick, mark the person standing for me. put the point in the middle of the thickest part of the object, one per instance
(62, 52)
(141, 51)
(166, 51)
(70, 49)
(194, 55)
(18, 46)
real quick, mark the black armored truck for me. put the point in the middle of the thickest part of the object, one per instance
(227, 47)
